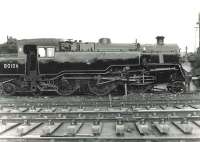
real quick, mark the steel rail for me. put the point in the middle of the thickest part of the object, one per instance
(104, 103)
(96, 138)
(170, 114)
(83, 120)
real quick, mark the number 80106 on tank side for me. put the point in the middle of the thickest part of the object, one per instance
(68, 67)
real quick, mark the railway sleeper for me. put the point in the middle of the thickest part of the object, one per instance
(143, 127)
(185, 126)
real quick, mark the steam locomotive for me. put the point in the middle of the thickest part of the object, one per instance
(69, 66)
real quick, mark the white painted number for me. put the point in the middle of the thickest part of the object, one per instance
(11, 66)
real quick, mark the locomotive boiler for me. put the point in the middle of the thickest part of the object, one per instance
(68, 67)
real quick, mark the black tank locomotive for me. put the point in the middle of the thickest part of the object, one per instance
(68, 67)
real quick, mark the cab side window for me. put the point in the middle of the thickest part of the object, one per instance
(41, 52)
(46, 52)
(50, 52)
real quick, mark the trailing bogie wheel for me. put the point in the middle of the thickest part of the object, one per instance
(8, 88)
(1, 89)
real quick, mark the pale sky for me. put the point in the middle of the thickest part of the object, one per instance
(121, 20)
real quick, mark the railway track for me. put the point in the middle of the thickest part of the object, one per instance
(77, 118)
(64, 122)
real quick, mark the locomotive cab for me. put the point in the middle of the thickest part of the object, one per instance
(35, 54)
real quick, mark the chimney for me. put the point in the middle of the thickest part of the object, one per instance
(160, 40)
